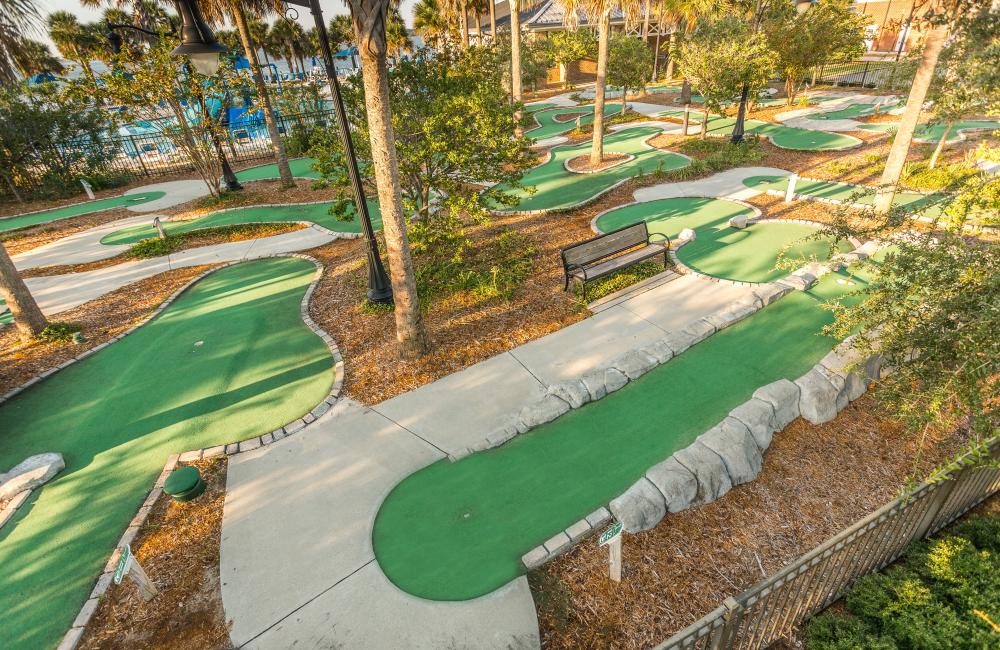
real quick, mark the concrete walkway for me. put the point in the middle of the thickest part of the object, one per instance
(177, 192)
(802, 117)
(318, 493)
(78, 248)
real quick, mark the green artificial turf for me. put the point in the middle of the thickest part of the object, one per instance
(929, 205)
(5, 316)
(786, 137)
(301, 168)
(317, 213)
(549, 127)
(851, 111)
(556, 188)
(457, 530)
(933, 132)
(748, 255)
(55, 214)
(229, 360)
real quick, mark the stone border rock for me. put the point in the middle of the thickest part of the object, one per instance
(548, 157)
(72, 637)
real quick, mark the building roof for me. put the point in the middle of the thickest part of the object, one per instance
(549, 14)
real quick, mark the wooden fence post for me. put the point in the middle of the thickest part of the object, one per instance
(725, 636)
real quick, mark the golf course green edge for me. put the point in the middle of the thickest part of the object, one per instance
(455, 531)
(117, 414)
(29, 219)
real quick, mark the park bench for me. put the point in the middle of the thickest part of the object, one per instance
(613, 251)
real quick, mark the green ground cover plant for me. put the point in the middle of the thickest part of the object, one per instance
(620, 280)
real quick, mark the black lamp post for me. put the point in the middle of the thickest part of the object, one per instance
(379, 288)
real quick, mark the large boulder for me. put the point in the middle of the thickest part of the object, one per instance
(731, 440)
(640, 508)
(708, 468)
(30, 473)
(783, 396)
(817, 397)
(758, 417)
(678, 486)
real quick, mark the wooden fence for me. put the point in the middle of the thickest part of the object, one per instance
(770, 610)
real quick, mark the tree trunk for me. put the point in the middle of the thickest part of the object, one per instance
(670, 54)
(284, 171)
(656, 57)
(28, 318)
(940, 145)
(901, 144)
(515, 63)
(465, 27)
(645, 23)
(704, 123)
(686, 99)
(493, 20)
(369, 27)
(603, 29)
(478, 19)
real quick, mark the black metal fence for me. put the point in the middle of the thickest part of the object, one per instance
(868, 74)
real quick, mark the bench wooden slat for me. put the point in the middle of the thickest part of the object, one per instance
(610, 252)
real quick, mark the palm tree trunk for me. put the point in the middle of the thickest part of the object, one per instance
(670, 53)
(515, 62)
(603, 28)
(493, 20)
(704, 123)
(28, 318)
(409, 323)
(686, 100)
(886, 191)
(465, 26)
(940, 145)
(280, 155)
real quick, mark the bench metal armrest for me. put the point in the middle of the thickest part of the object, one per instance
(664, 239)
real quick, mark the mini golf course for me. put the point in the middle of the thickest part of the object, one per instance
(557, 188)
(853, 111)
(228, 360)
(317, 213)
(457, 530)
(301, 168)
(554, 121)
(933, 132)
(747, 255)
(928, 205)
(76, 210)
(786, 137)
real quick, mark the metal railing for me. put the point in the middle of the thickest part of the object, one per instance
(772, 608)
(868, 74)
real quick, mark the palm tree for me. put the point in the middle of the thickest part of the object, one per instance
(75, 41)
(17, 17)
(369, 18)
(340, 31)
(237, 11)
(396, 35)
(429, 21)
(36, 58)
(292, 37)
(258, 36)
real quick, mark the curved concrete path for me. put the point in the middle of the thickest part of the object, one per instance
(176, 192)
(810, 117)
(78, 248)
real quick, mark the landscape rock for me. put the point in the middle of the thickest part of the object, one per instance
(737, 448)
(838, 381)
(535, 557)
(614, 379)
(758, 417)
(770, 292)
(708, 468)
(783, 396)
(734, 313)
(545, 410)
(679, 341)
(699, 330)
(640, 508)
(817, 397)
(659, 350)
(678, 486)
(594, 382)
(800, 281)
(30, 473)
(687, 235)
(574, 392)
(635, 364)
(739, 222)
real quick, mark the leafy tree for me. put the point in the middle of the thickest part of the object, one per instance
(721, 58)
(74, 40)
(831, 30)
(630, 62)
(430, 23)
(340, 31)
(569, 46)
(35, 58)
(18, 20)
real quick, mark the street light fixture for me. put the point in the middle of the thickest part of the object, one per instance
(379, 288)
(197, 40)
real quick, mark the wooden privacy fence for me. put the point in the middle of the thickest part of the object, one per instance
(772, 608)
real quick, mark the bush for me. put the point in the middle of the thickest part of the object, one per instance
(155, 247)
(618, 281)
(719, 154)
(58, 332)
(929, 600)
(943, 177)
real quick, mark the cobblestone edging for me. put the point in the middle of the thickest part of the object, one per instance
(73, 636)
(728, 454)
(548, 158)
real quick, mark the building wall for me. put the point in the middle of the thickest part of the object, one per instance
(887, 25)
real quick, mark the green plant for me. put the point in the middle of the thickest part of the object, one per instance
(921, 176)
(620, 280)
(56, 332)
(376, 307)
(155, 247)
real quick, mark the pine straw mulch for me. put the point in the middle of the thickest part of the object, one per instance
(178, 547)
(101, 320)
(816, 481)
(582, 165)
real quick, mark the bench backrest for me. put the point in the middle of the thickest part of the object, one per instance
(605, 245)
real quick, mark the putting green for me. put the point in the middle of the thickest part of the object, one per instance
(317, 213)
(457, 530)
(747, 255)
(549, 125)
(852, 111)
(557, 188)
(301, 168)
(928, 205)
(55, 214)
(786, 137)
(933, 132)
(229, 360)
(5, 315)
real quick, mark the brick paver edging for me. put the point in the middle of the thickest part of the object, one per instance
(72, 637)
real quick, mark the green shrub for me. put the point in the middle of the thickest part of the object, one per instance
(927, 601)
(376, 307)
(56, 332)
(155, 247)
(943, 177)
(618, 281)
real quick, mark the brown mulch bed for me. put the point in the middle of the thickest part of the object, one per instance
(582, 164)
(568, 117)
(178, 547)
(816, 481)
(101, 319)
